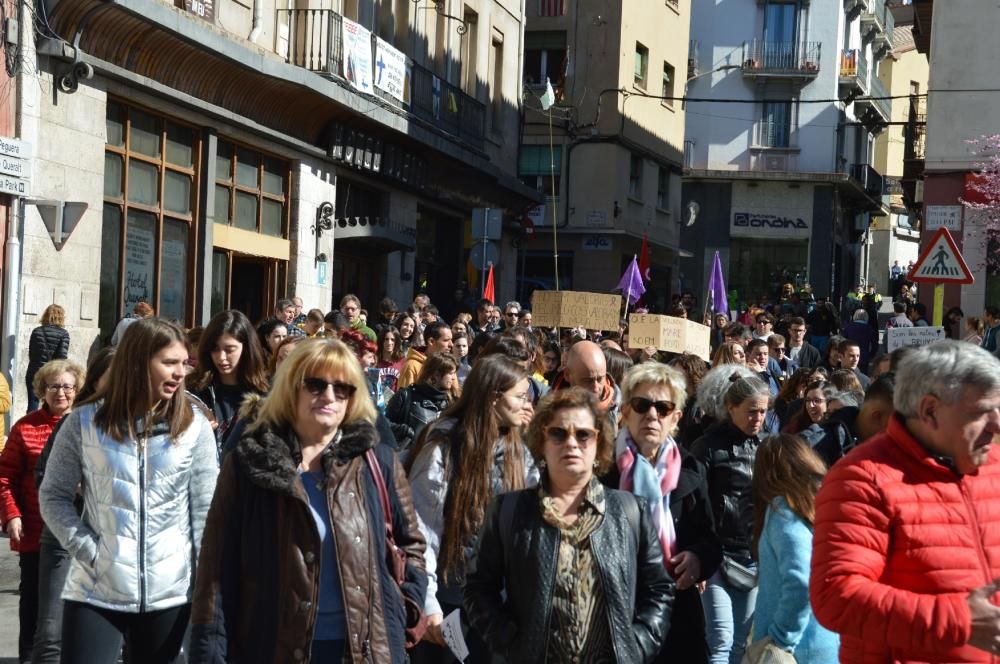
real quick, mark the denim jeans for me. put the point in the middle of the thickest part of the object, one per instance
(53, 566)
(728, 618)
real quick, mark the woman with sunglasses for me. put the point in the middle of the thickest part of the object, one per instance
(727, 449)
(293, 566)
(650, 464)
(55, 385)
(471, 454)
(145, 459)
(571, 571)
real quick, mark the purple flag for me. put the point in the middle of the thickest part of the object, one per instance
(631, 282)
(717, 288)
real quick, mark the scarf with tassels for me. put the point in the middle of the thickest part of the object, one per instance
(654, 483)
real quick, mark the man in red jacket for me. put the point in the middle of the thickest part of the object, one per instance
(906, 551)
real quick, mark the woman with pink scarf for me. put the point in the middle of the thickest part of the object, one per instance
(650, 464)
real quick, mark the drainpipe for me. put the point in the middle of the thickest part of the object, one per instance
(258, 22)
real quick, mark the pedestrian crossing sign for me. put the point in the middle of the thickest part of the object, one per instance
(941, 262)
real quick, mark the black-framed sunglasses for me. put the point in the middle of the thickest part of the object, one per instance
(317, 387)
(642, 405)
(582, 435)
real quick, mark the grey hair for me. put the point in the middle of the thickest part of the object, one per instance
(943, 369)
(713, 387)
(654, 373)
(512, 303)
(847, 398)
(860, 315)
(742, 389)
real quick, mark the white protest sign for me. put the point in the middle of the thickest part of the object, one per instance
(390, 70)
(669, 333)
(451, 630)
(901, 337)
(357, 56)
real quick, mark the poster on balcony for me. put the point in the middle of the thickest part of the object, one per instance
(357, 56)
(390, 71)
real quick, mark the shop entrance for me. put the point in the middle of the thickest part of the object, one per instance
(248, 287)
(758, 268)
(250, 284)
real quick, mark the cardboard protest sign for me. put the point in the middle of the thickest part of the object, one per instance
(674, 335)
(898, 337)
(593, 311)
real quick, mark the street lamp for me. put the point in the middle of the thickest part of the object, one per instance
(704, 73)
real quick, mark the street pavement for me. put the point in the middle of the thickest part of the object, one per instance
(10, 575)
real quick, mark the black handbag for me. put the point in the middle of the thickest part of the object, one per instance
(738, 576)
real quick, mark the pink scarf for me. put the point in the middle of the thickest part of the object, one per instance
(637, 475)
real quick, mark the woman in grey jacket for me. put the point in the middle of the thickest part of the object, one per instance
(146, 461)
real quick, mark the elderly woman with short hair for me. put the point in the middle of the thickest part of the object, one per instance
(650, 464)
(570, 571)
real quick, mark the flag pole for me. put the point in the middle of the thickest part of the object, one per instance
(628, 295)
(555, 212)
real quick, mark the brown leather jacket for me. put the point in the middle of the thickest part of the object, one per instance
(257, 587)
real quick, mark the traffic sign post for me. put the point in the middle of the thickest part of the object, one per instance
(941, 263)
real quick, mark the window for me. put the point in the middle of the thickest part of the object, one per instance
(150, 192)
(780, 22)
(251, 190)
(535, 168)
(635, 177)
(641, 65)
(470, 53)
(663, 188)
(776, 125)
(668, 83)
(544, 57)
(496, 82)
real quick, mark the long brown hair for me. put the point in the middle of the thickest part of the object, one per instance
(787, 467)
(468, 454)
(251, 371)
(128, 397)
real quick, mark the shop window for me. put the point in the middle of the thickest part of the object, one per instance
(251, 190)
(150, 198)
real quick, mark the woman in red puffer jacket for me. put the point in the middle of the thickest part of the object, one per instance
(55, 384)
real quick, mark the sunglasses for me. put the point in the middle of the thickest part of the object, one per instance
(341, 391)
(642, 405)
(561, 434)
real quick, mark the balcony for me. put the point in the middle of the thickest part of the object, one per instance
(772, 148)
(877, 23)
(870, 180)
(314, 42)
(875, 110)
(854, 70)
(788, 60)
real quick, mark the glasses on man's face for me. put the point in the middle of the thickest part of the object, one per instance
(318, 386)
(780, 350)
(582, 435)
(641, 405)
(55, 389)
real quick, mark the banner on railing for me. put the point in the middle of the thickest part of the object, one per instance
(390, 71)
(357, 56)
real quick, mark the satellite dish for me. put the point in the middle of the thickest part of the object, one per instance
(693, 208)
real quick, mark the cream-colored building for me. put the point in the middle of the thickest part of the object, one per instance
(618, 140)
(896, 238)
(233, 152)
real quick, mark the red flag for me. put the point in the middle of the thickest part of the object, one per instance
(644, 260)
(488, 289)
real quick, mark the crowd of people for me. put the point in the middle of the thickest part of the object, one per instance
(331, 486)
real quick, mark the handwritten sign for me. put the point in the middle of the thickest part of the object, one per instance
(593, 311)
(900, 337)
(674, 335)
(451, 630)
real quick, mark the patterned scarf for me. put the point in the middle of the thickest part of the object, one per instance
(640, 477)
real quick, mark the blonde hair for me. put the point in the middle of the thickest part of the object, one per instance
(315, 358)
(654, 373)
(54, 315)
(52, 369)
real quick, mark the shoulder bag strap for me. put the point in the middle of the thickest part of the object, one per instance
(383, 492)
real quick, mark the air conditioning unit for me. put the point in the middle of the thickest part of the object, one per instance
(775, 162)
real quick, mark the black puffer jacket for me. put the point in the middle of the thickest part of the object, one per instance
(637, 590)
(47, 342)
(413, 408)
(728, 455)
